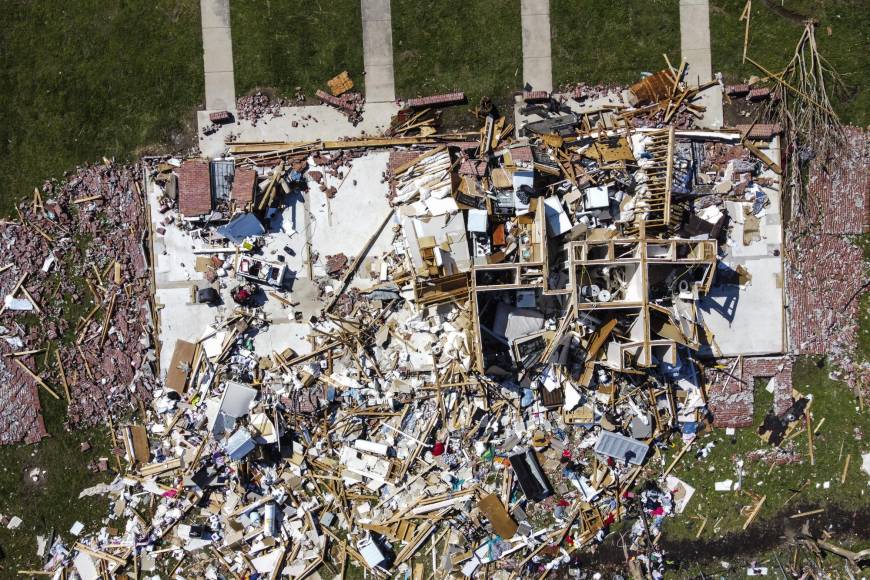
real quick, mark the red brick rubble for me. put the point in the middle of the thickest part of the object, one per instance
(825, 271)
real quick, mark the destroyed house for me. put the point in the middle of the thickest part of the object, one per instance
(512, 348)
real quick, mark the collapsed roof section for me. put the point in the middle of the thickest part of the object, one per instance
(559, 237)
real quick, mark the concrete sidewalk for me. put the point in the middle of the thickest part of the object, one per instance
(378, 51)
(537, 62)
(217, 55)
(695, 50)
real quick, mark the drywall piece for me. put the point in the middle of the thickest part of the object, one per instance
(86, 567)
(557, 220)
(596, 198)
(478, 220)
(240, 444)
(237, 400)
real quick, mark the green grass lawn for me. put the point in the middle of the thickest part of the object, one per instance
(294, 43)
(831, 401)
(51, 504)
(86, 79)
(843, 36)
(598, 41)
(475, 47)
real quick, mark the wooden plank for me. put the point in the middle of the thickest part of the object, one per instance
(15, 290)
(361, 143)
(764, 158)
(358, 260)
(99, 555)
(62, 375)
(87, 199)
(36, 378)
(845, 469)
(806, 514)
(176, 378)
(755, 511)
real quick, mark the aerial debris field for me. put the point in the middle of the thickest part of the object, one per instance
(429, 352)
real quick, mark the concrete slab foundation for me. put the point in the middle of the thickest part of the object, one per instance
(312, 123)
(341, 225)
(750, 320)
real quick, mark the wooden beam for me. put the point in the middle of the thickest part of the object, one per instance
(755, 511)
(62, 375)
(358, 260)
(14, 290)
(36, 378)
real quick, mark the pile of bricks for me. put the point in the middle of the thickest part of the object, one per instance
(220, 117)
(730, 394)
(825, 271)
(257, 106)
(737, 90)
(825, 277)
(838, 195)
(535, 96)
(763, 131)
(79, 245)
(759, 94)
(583, 91)
(20, 417)
(444, 100)
(731, 403)
(350, 103)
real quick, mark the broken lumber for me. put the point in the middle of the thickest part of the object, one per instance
(36, 378)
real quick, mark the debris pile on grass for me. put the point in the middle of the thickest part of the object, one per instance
(77, 290)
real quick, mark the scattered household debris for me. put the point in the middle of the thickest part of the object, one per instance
(488, 382)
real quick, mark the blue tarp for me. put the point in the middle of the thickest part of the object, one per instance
(241, 227)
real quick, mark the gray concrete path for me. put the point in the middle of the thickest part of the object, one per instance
(695, 48)
(378, 51)
(217, 55)
(537, 62)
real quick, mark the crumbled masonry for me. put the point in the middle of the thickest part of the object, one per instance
(106, 353)
(421, 351)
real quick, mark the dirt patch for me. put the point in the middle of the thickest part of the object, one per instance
(761, 537)
(33, 478)
(180, 138)
(741, 111)
(461, 117)
(781, 10)
(767, 535)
